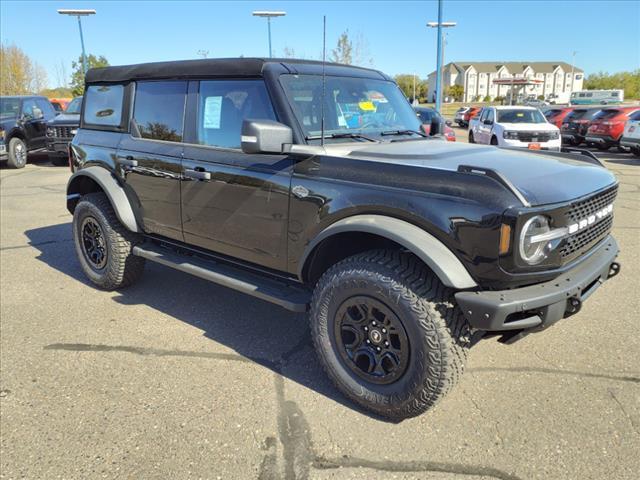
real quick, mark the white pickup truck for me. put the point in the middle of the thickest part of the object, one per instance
(507, 126)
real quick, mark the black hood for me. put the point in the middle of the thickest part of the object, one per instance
(72, 119)
(541, 179)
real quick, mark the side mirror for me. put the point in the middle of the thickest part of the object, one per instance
(265, 136)
(448, 123)
(488, 122)
(37, 114)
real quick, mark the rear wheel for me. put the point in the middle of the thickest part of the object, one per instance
(388, 333)
(17, 153)
(104, 245)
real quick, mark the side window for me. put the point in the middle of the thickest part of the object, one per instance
(224, 104)
(159, 110)
(483, 115)
(46, 107)
(103, 105)
(490, 115)
(29, 108)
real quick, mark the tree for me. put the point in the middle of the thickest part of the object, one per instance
(288, 52)
(18, 74)
(77, 76)
(405, 82)
(343, 53)
(627, 81)
(455, 91)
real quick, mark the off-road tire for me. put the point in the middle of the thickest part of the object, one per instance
(122, 268)
(15, 158)
(471, 139)
(438, 333)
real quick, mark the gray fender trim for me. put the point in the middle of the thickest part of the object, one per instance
(114, 191)
(428, 248)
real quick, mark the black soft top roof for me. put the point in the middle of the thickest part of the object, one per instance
(227, 67)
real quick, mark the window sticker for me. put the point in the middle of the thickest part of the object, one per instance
(212, 112)
(519, 114)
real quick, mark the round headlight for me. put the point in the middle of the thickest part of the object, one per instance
(530, 251)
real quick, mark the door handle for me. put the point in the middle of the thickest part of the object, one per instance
(198, 174)
(128, 161)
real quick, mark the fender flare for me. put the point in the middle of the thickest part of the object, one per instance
(110, 186)
(425, 246)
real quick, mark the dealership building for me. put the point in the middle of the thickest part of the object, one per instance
(494, 79)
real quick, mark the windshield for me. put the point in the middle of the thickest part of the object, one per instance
(515, 115)
(74, 106)
(352, 105)
(606, 114)
(9, 107)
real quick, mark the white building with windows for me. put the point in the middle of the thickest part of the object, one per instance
(477, 78)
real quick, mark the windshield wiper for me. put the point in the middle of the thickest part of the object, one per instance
(403, 132)
(341, 135)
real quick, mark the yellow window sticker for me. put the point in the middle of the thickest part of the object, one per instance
(367, 106)
(519, 114)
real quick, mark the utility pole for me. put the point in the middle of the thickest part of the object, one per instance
(439, 25)
(79, 13)
(573, 61)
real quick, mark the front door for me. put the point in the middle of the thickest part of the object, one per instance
(233, 203)
(150, 158)
(34, 124)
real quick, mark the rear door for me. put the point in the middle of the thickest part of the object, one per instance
(233, 203)
(151, 155)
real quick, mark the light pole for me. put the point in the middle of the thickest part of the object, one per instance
(573, 62)
(439, 25)
(79, 13)
(268, 15)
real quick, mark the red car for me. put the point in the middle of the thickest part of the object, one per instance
(469, 114)
(556, 116)
(607, 126)
(433, 122)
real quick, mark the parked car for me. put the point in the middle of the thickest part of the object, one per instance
(560, 98)
(576, 123)
(556, 115)
(470, 115)
(597, 97)
(631, 135)
(23, 126)
(434, 124)
(459, 116)
(508, 126)
(404, 250)
(60, 132)
(607, 126)
(60, 104)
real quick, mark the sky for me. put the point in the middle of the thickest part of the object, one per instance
(605, 34)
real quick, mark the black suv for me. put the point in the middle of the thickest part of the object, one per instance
(23, 127)
(60, 132)
(312, 187)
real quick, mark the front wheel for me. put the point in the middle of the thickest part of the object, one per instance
(104, 245)
(494, 141)
(388, 333)
(17, 155)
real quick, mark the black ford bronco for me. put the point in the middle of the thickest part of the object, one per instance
(313, 187)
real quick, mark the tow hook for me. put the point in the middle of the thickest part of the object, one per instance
(573, 306)
(614, 269)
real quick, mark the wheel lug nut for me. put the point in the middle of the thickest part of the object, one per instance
(386, 344)
(378, 348)
(373, 323)
(368, 341)
(384, 330)
(366, 329)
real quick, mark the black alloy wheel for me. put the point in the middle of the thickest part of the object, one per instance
(371, 340)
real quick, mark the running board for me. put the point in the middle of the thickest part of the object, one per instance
(286, 295)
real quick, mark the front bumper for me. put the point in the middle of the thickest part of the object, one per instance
(58, 147)
(549, 145)
(630, 142)
(600, 139)
(538, 306)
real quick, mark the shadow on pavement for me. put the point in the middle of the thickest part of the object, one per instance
(258, 331)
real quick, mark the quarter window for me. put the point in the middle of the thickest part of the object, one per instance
(224, 104)
(159, 110)
(103, 105)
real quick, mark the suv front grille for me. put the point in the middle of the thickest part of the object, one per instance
(529, 136)
(581, 241)
(62, 132)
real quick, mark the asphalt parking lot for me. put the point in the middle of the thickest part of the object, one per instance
(179, 378)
